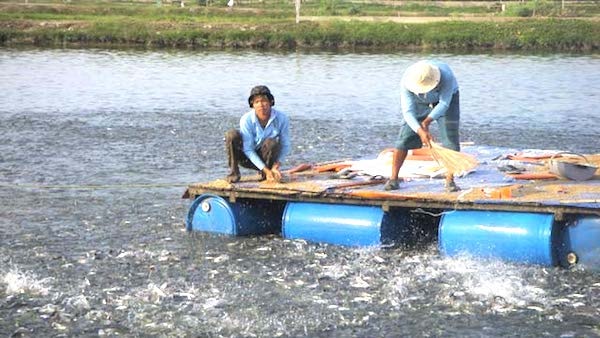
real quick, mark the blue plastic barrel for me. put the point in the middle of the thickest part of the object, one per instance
(352, 225)
(211, 213)
(514, 236)
(580, 243)
(333, 223)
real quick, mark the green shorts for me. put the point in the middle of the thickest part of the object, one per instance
(448, 127)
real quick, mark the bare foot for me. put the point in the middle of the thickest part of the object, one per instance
(392, 185)
(452, 187)
(233, 177)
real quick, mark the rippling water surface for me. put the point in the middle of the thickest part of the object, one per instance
(97, 146)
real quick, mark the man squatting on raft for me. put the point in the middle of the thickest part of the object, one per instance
(263, 140)
(428, 91)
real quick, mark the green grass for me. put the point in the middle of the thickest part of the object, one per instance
(547, 8)
(272, 25)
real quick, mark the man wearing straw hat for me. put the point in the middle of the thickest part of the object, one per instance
(429, 91)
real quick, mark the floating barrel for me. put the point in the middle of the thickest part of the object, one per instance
(351, 225)
(513, 236)
(211, 213)
(580, 243)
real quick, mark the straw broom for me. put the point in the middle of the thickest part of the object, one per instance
(455, 162)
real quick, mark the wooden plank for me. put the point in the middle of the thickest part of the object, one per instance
(303, 183)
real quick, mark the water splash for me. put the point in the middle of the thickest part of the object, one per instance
(23, 282)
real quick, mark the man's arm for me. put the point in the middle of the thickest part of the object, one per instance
(249, 145)
(448, 86)
(284, 138)
(409, 109)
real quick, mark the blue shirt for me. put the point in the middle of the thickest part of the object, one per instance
(253, 135)
(415, 107)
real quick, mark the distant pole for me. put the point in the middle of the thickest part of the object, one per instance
(297, 3)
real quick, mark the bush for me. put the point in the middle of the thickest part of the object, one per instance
(534, 8)
(354, 10)
(327, 7)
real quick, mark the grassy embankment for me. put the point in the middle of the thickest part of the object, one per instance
(272, 25)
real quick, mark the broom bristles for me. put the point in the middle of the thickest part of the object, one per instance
(455, 162)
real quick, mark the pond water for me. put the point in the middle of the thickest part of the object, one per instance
(97, 146)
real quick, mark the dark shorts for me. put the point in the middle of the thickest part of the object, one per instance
(448, 128)
(268, 151)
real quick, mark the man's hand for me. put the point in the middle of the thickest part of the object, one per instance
(425, 123)
(276, 173)
(425, 136)
(272, 175)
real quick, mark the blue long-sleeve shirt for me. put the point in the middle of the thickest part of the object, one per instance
(416, 106)
(253, 135)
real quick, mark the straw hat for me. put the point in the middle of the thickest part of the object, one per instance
(421, 77)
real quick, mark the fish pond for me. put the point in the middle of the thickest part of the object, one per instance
(97, 147)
